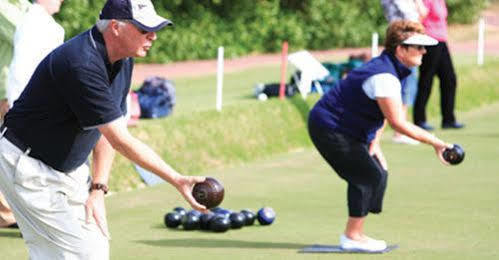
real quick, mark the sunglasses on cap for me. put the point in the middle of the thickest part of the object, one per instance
(415, 46)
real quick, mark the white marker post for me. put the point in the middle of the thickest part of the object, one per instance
(220, 77)
(481, 42)
(374, 45)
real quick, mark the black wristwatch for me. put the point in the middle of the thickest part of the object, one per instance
(99, 186)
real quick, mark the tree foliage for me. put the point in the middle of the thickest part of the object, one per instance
(257, 26)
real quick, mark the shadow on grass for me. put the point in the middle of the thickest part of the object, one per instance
(16, 234)
(219, 243)
(247, 96)
(180, 229)
(301, 105)
(478, 135)
(158, 226)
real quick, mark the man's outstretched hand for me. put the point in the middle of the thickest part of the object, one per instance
(184, 185)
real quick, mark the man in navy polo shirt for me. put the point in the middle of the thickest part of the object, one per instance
(346, 125)
(74, 105)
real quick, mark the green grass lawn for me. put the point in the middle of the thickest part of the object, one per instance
(199, 94)
(431, 211)
(198, 138)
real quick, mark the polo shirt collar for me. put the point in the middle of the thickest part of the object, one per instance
(402, 70)
(100, 45)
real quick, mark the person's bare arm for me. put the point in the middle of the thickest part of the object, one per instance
(375, 147)
(103, 156)
(102, 160)
(122, 141)
(392, 110)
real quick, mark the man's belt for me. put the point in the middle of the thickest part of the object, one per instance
(14, 140)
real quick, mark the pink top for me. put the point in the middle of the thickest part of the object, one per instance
(435, 22)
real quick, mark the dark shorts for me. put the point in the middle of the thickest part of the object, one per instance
(351, 160)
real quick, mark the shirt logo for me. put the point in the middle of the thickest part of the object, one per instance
(142, 6)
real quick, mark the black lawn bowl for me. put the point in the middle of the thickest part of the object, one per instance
(191, 222)
(219, 224)
(172, 219)
(204, 221)
(249, 217)
(237, 220)
(180, 211)
(195, 212)
(216, 209)
(454, 155)
(224, 212)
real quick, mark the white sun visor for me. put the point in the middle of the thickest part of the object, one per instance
(420, 39)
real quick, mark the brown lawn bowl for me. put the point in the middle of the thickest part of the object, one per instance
(209, 193)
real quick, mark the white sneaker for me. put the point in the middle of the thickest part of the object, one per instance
(259, 87)
(404, 139)
(371, 245)
(382, 242)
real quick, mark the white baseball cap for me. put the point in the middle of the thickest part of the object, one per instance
(140, 12)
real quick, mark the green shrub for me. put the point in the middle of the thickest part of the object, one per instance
(464, 11)
(248, 26)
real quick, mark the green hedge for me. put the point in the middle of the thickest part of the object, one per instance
(257, 26)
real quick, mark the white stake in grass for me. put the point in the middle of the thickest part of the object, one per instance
(374, 45)
(220, 77)
(481, 42)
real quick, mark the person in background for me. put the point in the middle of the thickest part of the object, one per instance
(75, 102)
(346, 124)
(412, 10)
(437, 62)
(35, 37)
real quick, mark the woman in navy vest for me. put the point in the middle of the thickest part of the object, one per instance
(346, 124)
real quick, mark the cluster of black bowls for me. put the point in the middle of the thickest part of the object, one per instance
(218, 219)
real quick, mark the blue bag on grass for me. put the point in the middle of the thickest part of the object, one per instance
(156, 97)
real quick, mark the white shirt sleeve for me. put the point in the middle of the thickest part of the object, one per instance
(382, 85)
